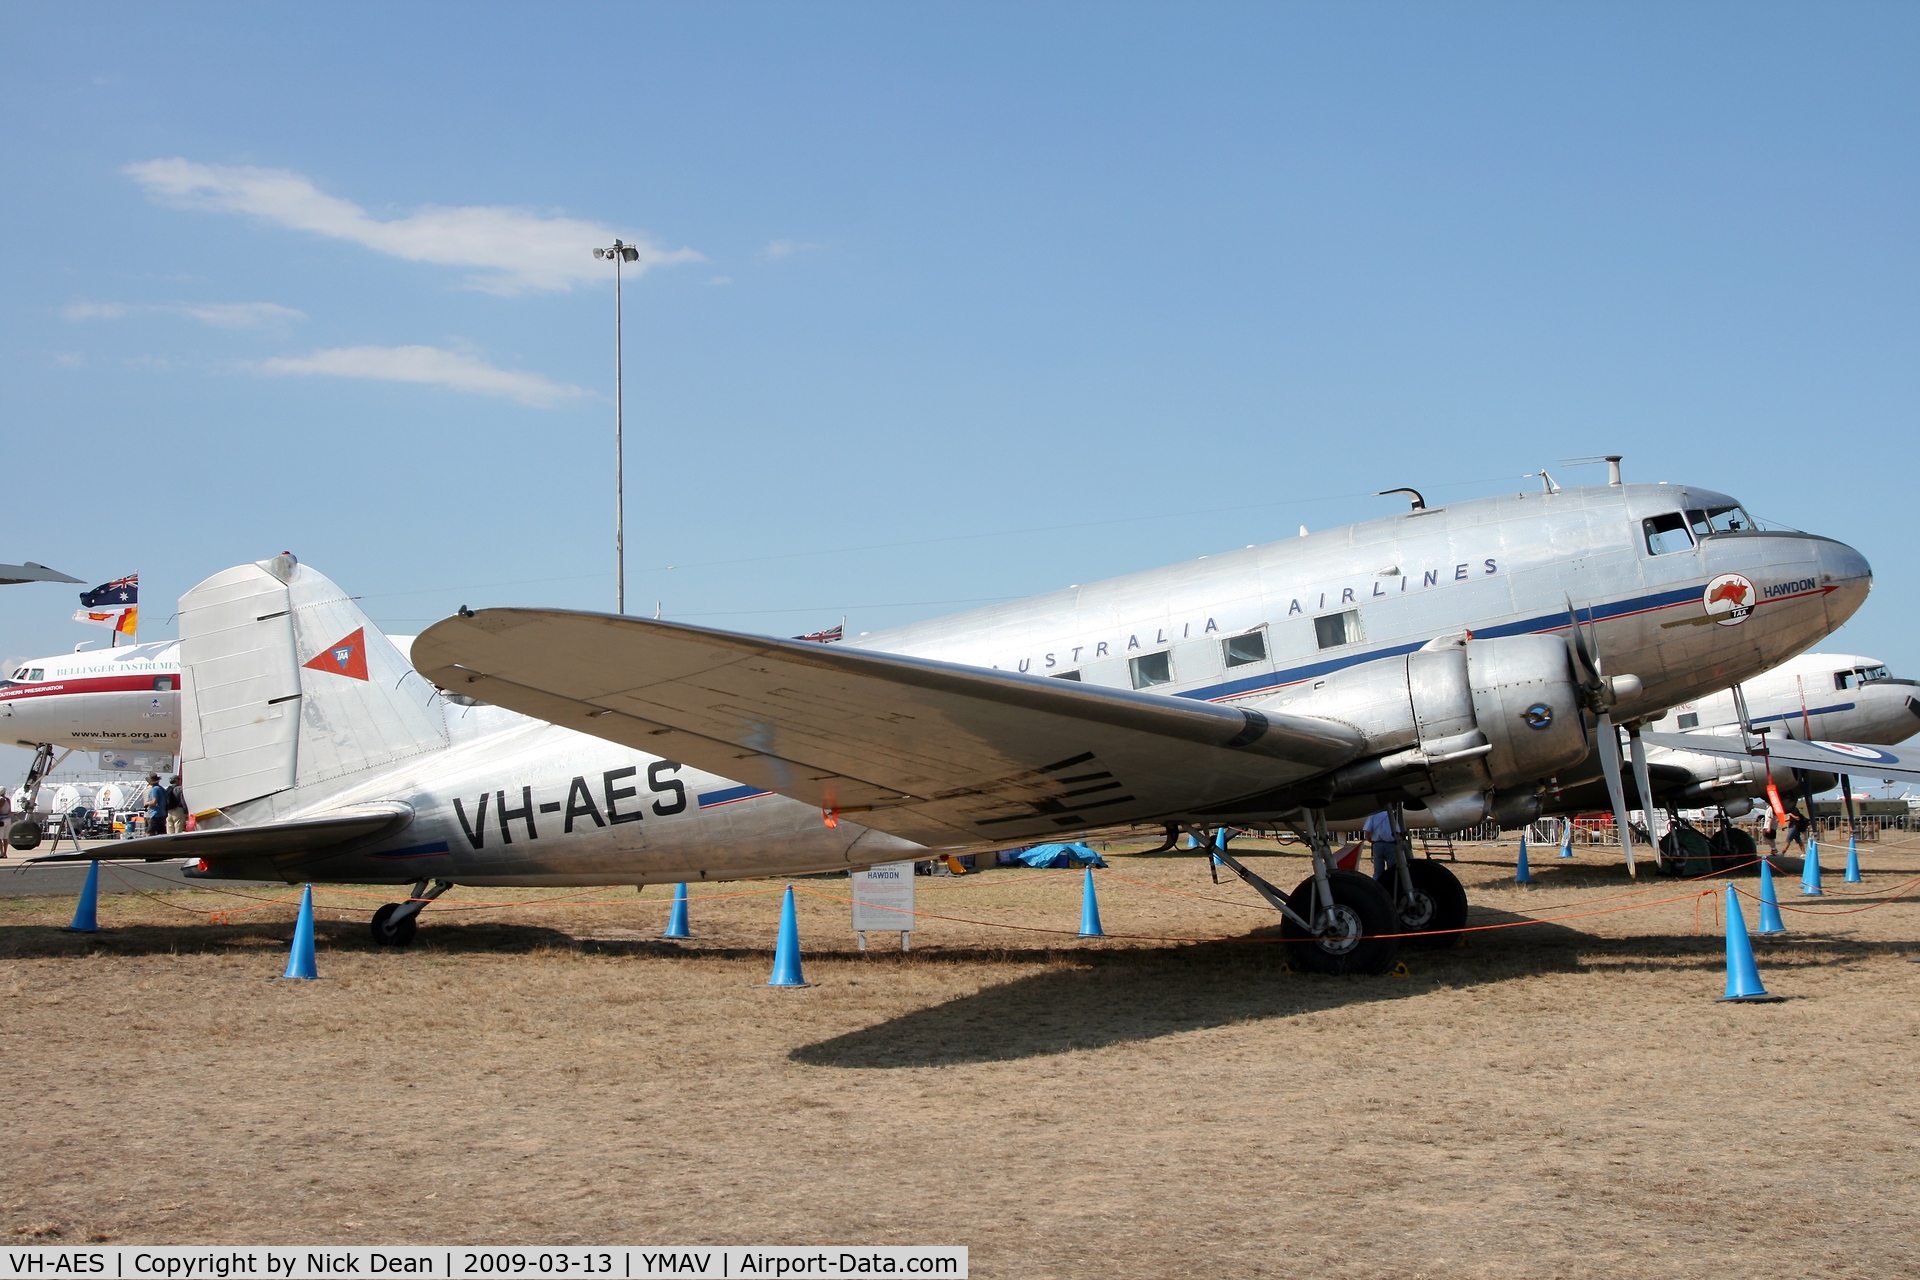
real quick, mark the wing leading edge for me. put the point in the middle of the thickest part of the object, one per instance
(935, 752)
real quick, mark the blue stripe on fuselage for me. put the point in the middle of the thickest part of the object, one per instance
(1528, 626)
(1810, 711)
(731, 794)
(414, 851)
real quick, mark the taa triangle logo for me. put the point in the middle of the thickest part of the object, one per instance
(346, 657)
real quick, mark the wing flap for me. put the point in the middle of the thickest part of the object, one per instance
(929, 750)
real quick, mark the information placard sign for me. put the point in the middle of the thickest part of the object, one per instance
(883, 897)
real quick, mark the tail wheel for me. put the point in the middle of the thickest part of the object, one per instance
(1438, 910)
(388, 932)
(1354, 937)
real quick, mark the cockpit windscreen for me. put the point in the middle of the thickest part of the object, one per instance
(1718, 520)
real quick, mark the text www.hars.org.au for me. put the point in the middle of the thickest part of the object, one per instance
(440, 1262)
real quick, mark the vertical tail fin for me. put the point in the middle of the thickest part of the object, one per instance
(287, 686)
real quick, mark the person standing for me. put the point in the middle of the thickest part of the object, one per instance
(156, 806)
(176, 807)
(1386, 849)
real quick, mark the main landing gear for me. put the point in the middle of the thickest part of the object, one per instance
(25, 830)
(393, 924)
(1344, 922)
(1429, 898)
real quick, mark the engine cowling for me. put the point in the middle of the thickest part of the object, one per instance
(1461, 724)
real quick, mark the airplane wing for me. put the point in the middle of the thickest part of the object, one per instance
(936, 752)
(319, 834)
(30, 572)
(1826, 757)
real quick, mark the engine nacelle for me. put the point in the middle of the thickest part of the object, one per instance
(1473, 724)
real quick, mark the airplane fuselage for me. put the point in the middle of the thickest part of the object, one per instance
(1687, 607)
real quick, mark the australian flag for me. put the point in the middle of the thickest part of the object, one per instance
(117, 594)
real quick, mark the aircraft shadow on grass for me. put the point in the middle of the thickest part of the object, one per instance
(334, 936)
(1114, 997)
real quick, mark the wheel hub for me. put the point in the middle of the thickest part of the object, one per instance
(1418, 912)
(1340, 929)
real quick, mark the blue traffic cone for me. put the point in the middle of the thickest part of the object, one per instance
(1770, 921)
(677, 918)
(300, 962)
(1810, 872)
(1853, 860)
(1743, 976)
(1523, 874)
(1090, 910)
(786, 952)
(1566, 839)
(85, 911)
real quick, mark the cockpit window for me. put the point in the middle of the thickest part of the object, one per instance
(1666, 534)
(1718, 520)
(38, 673)
(1859, 676)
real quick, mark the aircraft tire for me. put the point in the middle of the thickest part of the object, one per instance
(24, 834)
(387, 932)
(1364, 913)
(1439, 909)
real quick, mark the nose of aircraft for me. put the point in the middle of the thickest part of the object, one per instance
(1849, 576)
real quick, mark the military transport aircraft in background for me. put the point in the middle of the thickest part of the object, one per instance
(1468, 656)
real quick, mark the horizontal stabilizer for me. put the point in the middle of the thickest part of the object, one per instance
(932, 751)
(1825, 757)
(321, 833)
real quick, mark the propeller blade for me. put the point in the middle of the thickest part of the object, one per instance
(1642, 783)
(1616, 789)
(1586, 661)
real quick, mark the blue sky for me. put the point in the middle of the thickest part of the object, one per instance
(942, 303)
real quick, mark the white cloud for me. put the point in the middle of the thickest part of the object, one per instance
(95, 310)
(221, 315)
(519, 249)
(425, 364)
(69, 359)
(786, 249)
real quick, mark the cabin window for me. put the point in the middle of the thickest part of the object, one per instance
(1240, 650)
(1335, 629)
(1150, 669)
(1714, 520)
(163, 683)
(1066, 675)
(1666, 534)
(1689, 720)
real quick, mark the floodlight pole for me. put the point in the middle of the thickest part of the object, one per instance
(621, 253)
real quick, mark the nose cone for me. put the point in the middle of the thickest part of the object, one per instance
(1848, 578)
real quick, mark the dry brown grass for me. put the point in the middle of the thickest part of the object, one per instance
(1561, 1099)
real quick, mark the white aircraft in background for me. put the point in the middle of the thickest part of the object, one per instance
(1437, 655)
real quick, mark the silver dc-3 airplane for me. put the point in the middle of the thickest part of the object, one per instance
(1469, 657)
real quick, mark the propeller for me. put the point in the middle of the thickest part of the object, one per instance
(1643, 782)
(1601, 693)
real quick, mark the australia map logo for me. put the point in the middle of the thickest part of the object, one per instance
(1729, 598)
